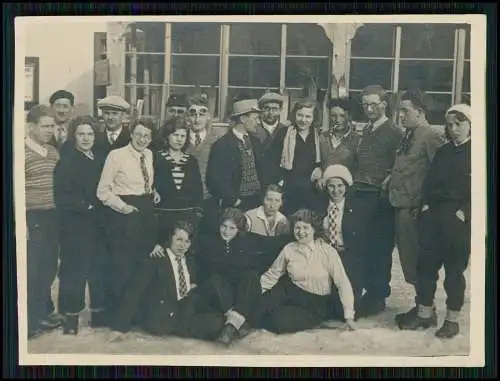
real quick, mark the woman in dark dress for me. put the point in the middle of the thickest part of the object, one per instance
(82, 242)
(178, 184)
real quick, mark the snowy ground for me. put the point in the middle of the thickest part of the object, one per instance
(378, 335)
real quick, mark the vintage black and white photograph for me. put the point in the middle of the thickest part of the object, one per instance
(190, 189)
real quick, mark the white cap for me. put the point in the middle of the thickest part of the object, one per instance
(339, 171)
(462, 109)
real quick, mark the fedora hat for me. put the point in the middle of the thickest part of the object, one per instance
(245, 106)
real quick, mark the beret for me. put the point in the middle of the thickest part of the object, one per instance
(339, 171)
(113, 102)
(62, 94)
(177, 100)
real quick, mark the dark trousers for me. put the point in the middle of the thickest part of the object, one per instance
(42, 257)
(82, 260)
(130, 238)
(209, 224)
(353, 265)
(376, 235)
(297, 197)
(287, 308)
(444, 240)
(167, 219)
(239, 293)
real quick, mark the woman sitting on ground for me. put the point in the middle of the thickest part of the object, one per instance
(297, 287)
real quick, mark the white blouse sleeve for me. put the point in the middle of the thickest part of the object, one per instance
(269, 279)
(105, 187)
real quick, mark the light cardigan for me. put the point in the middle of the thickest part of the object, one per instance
(288, 152)
(311, 268)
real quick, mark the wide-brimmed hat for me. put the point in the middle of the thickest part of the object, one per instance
(113, 102)
(462, 109)
(245, 106)
(339, 171)
(270, 97)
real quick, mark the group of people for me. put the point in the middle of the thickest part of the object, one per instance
(195, 231)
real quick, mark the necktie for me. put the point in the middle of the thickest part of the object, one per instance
(112, 137)
(197, 139)
(183, 288)
(246, 142)
(405, 142)
(333, 227)
(145, 175)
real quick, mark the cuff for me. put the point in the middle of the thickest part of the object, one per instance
(235, 319)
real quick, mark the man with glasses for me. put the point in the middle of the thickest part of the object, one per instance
(271, 133)
(115, 134)
(376, 153)
(177, 106)
(200, 140)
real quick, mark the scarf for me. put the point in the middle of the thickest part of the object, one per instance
(288, 153)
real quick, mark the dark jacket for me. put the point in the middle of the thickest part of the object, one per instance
(102, 143)
(224, 168)
(344, 154)
(151, 297)
(191, 193)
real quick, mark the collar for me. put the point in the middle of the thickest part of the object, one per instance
(172, 255)
(240, 135)
(340, 204)
(37, 147)
(260, 214)
(89, 154)
(117, 132)
(202, 133)
(462, 143)
(332, 135)
(270, 127)
(134, 152)
(379, 122)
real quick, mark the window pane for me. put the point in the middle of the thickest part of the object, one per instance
(254, 71)
(196, 38)
(373, 40)
(370, 72)
(467, 43)
(255, 38)
(192, 70)
(426, 75)
(466, 98)
(427, 40)
(467, 80)
(438, 104)
(307, 40)
(211, 93)
(299, 71)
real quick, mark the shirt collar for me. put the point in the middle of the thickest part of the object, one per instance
(379, 122)
(172, 255)
(240, 135)
(262, 215)
(462, 143)
(37, 147)
(136, 153)
(334, 138)
(117, 132)
(270, 127)
(202, 134)
(340, 204)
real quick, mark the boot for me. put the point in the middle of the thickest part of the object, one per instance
(70, 326)
(228, 334)
(448, 330)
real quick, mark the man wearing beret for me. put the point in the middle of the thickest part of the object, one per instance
(177, 105)
(271, 133)
(62, 102)
(115, 135)
(234, 175)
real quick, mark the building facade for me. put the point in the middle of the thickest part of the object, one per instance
(148, 61)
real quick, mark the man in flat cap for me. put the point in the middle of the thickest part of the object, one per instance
(177, 105)
(235, 162)
(115, 135)
(62, 102)
(338, 145)
(271, 133)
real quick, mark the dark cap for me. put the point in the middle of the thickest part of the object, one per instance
(177, 100)
(198, 100)
(62, 94)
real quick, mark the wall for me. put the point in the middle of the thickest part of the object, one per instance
(66, 57)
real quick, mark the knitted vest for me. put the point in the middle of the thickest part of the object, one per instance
(250, 184)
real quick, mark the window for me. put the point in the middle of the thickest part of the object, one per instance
(428, 41)
(467, 80)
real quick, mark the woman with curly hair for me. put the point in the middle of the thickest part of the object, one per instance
(297, 287)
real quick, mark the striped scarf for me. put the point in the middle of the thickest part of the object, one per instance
(177, 168)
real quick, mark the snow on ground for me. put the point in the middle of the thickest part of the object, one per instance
(378, 335)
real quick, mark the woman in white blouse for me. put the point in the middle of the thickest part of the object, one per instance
(297, 287)
(126, 189)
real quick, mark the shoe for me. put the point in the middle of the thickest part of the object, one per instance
(448, 330)
(244, 330)
(34, 333)
(228, 334)
(402, 318)
(416, 323)
(98, 319)
(70, 326)
(52, 321)
(370, 307)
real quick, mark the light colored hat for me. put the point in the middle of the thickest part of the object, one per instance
(245, 106)
(339, 171)
(462, 109)
(113, 102)
(270, 97)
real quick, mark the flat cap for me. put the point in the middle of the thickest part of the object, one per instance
(113, 102)
(62, 94)
(177, 100)
(339, 171)
(269, 97)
